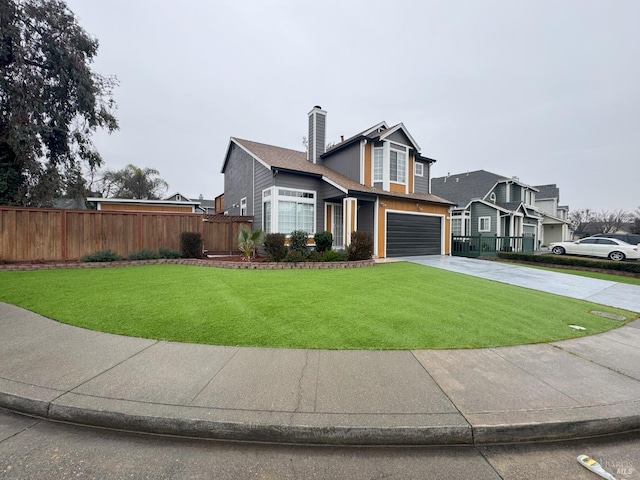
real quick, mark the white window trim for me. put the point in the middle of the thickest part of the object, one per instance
(243, 206)
(415, 169)
(480, 229)
(272, 194)
(406, 164)
(373, 166)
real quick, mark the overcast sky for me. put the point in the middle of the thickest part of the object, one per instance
(548, 91)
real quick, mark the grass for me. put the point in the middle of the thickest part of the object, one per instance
(390, 306)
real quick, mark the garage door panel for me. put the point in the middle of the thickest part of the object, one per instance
(413, 235)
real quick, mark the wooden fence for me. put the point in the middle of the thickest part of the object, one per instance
(39, 234)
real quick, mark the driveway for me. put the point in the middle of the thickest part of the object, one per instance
(614, 294)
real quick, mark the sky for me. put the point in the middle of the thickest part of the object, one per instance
(545, 90)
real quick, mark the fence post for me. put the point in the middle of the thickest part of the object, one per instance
(63, 235)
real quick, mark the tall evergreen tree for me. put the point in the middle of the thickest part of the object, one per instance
(50, 101)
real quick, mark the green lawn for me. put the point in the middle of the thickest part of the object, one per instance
(390, 306)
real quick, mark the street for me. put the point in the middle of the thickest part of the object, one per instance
(38, 449)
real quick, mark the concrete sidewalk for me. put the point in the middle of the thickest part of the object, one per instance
(580, 387)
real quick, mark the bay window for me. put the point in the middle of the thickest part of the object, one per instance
(287, 209)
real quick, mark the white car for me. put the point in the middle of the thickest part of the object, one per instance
(597, 247)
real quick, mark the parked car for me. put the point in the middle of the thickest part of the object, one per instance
(610, 248)
(630, 238)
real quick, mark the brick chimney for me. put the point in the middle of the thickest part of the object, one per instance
(317, 133)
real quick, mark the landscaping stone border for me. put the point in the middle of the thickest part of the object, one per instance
(195, 262)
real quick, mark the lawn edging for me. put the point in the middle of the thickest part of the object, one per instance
(190, 261)
(559, 266)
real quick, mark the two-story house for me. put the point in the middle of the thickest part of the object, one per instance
(555, 217)
(375, 181)
(489, 204)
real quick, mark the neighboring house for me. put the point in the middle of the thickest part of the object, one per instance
(376, 181)
(489, 204)
(555, 223)
(126, 204)
(204, 206)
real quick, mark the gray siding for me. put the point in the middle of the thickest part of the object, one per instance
(501, 193)
(399, 137)
(481, 210)
(317, 140)
(366, 212)
(421, 184)
(263, 179)
(303, 182)
(516, 193)
(346, 162)
(238, 179)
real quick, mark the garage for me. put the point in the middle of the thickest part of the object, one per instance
(411, 234)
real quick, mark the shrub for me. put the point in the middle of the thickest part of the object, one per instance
(164, 252)
(144, 254)
(361, 247)
(101, 256)
(323, 240)
(633, 267)
(275, 248)
(248, 241)
(335, 256)
(298, 241)
(294, 256)
(191, 244)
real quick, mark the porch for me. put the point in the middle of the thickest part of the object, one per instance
(488, 246)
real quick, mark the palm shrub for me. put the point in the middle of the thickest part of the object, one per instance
(275, 247)
(248, 241)
(361, 247)
(323, 240)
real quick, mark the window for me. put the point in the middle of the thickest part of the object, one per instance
(398, 166)
(484, 224)
(418, 169)
(266, 216)
(456, 226)
(377, 164)
(285, 210)
(243, 206)
(492, 197)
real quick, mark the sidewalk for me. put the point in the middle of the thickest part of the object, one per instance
(579, 387)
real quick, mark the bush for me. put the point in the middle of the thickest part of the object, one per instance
(275, 248)
(294, 256)
(298, 241)
(249, 241)
(101, 256)
(335, 256)
(324, 241)
(633, 267)
(164, 252)
(191, 245)
(361, 247)
(144, 254)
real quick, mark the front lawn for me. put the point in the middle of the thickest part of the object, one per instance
(390, 306)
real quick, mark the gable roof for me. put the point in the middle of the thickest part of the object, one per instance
(275, 158)
(464, 187)
(548, 191)
(379, 131)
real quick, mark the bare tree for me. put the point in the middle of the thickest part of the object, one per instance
(580, 220)
(611, 221)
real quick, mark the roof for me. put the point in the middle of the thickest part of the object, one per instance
(464, 187)
(547, 191)
(142, 202)
(276, 158)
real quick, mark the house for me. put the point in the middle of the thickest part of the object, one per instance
(489, 204)
(204, 206)
(555, 218)
(375, 181)
(132, 205)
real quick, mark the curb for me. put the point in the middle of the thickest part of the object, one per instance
(205, 423)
